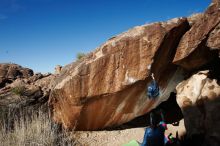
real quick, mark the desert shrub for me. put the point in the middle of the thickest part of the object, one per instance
(80, 55)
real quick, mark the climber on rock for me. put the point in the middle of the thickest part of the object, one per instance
(154, 135)
(153, 89)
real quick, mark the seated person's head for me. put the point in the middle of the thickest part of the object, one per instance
(154, 119)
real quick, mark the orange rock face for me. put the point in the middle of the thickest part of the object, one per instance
(214, 41)
(192, 51)
(108, 86)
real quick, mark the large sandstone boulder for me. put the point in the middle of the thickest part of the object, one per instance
(108, 86)
(193, 51)
(199, 99)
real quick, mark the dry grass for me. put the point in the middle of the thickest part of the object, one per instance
(19, 90)
(31, 127)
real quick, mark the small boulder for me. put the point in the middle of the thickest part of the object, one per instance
(199, 100)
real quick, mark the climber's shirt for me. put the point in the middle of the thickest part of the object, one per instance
(155, 136)
(153, 90)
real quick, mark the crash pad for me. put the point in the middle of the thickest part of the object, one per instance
(132, 143)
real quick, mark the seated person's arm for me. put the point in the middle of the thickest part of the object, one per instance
(162, 123)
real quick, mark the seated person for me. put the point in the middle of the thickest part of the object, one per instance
(154, 135)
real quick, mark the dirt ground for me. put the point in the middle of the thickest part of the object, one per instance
(120, 137)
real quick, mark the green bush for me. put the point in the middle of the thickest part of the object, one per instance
(80, 55)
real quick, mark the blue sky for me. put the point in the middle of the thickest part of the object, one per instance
(40, 34)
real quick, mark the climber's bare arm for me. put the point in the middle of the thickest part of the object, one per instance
(152, 75)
